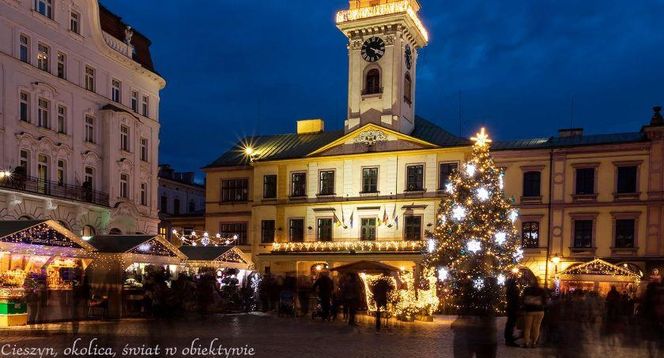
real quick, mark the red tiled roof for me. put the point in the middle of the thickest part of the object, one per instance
(114, 26)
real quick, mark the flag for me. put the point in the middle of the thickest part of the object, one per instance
(385, 218)
(351, 218)
(395, 218)
(336, 220)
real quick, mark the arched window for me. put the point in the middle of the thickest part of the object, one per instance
(372, 83)
(87, 232)
(408, 89)
(115, 231)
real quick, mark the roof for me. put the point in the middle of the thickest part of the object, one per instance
(293, 145)
(207, 253)
(366, 266)
(13, 226)
(114, 26)
(118, 243)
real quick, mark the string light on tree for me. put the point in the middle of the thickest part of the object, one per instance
(473, 253)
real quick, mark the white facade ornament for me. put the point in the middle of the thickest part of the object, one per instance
(129, 33)
(370, 137)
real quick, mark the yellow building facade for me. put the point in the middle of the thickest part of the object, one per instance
(371, 190)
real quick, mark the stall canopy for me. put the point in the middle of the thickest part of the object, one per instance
(138, 248)
(599, 270)
(216, 256)
(41, 237)
(371, 267)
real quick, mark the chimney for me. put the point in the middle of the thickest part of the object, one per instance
(570, 132)
(310, 126)
(657, 119)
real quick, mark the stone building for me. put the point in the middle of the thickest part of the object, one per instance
(79, 118)
(181, 202)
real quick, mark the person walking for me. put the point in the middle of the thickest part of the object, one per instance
(534, 299)
(351, 296)
(325, 286)
(381, 291)
(512, 296)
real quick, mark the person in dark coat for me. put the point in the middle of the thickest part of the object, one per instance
(534, 301)
(512, 310)
(381, 291)
(325, 286)
(351, 296)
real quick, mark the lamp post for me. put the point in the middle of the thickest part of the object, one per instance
(556, 260)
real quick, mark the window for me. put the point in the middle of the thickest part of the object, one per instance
(368, 229)
(24, 49)
(24, 107)
(144, 149)
(145, 106)
(324, 229)
(75, 22)
(298, 184)
(87, 232)
(42, 173)
(296, 230)
(163, 207)
(61, 173)
(446, 170)
(144, 194)
(42, 113)
(267, 231)
(585, 181)
(62, 65)
(530, 234)
(134, 101)
(372, 84)
(408, 89)
(326, 182)
(415, 178)
(234, 190)
(44, 7)
(90, 177)
(583, 233)
(412, 227)
(231, 230)
(62, 119)
(42, 57)
(89, 129)
(24, 161)
(369, 180)
(192, 206)
(269, 186)
(124, 138)
(124, 186)
(89, 78)
(624, 233)
(626, 180)
(176, 206)
(116, 93)
(531, 184)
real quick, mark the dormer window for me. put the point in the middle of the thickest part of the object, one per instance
(372, 83)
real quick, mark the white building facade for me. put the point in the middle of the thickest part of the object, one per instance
(78, 118)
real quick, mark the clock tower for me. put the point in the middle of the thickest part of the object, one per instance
(384, 38)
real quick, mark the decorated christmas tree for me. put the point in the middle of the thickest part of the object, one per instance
(474, 245)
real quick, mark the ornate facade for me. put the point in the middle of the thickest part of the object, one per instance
(78, 118)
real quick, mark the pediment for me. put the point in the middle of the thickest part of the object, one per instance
(372, 138)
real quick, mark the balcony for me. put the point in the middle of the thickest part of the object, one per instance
(51, 188)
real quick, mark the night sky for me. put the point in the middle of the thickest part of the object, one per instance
(522, 68)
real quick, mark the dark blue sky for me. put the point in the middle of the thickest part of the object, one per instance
(236, 68)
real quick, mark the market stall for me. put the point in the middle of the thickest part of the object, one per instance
(129, 269)
(598, 275)
(215, 257)
(42, 264)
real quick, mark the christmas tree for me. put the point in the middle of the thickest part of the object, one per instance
(474, 245)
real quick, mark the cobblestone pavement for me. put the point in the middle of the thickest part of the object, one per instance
(273, 337)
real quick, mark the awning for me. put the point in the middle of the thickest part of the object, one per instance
(41, 237)
(600, 271)
(370, 267)
(216, 256)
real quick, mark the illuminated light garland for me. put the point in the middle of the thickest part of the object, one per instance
(482, 194)
(470, 169)
(340, 246)
(194, 239)
(501, 279)
(458, 213)
(443, 274)
(383, 9)
(478, 283)
(514, 215)
(474, 246)
(449, 188)
(431, 245)
(500, 237)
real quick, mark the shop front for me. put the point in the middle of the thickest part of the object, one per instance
(42, 272)
(130, 271)
(598, 276)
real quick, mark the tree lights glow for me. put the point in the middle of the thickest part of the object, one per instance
(475, 252)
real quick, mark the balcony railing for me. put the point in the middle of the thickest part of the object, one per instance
(414, 246)
(53, 188)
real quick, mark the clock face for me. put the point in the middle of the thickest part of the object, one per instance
(409, 57)
(373, 49)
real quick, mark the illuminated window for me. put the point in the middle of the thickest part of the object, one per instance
(530, 234)
(42, 57)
